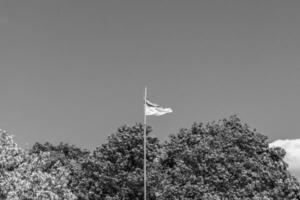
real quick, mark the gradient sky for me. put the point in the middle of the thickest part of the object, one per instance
(74, 71)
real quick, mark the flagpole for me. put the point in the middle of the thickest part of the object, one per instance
(145, 147)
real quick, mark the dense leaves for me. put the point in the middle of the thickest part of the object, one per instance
(25, 176)
(225, 160)
(71, 157)
(117, 167)
(220, 160)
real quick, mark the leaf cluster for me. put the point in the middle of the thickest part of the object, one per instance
(223, 160)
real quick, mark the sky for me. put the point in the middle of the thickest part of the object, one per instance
(75, 71)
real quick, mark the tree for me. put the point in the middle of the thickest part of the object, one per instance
(224, 160)
(11, 156)
(116, 168)
(72, 158)
(24, 176)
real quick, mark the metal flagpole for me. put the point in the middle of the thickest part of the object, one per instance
(145, 147)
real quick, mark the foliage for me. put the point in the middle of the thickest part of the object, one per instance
(224, 160)
(72, 158)
(116, 168)
(24, 176)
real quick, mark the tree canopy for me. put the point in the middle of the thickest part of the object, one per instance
(25, 176)
(214, 161)
(225, 160)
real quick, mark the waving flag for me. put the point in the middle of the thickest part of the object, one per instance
(154, 109)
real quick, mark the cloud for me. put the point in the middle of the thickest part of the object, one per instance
(292, 157)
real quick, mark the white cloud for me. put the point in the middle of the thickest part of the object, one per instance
(292, 148)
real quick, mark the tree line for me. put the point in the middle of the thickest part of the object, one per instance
(223, 160)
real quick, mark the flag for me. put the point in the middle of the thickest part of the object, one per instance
(154, 109)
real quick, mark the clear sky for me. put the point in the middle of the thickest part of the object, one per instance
(74, 71)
